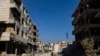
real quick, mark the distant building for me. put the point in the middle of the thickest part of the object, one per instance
(55, 47)
(18, 34)
(63, 45)
(40, 47)
(58, 47)
(46, 48)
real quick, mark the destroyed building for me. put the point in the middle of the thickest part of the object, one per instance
(18, 34)
(87, 22)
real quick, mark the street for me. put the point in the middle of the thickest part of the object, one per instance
(46, 54)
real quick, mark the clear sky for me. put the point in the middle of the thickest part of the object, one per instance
(53, 18)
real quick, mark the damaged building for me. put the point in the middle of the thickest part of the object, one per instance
(18, 34)
(87, 24)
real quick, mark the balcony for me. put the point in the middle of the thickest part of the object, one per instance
(10, 19)
(18, 24)
(18, 2)
(34, 36)
(34, 30)
(79, 16)
(31, 42)
(84, 27)
(14, 5)
(5, 36)
(18, 38)
(24, 28)
(85, 12)
(15, 21)
(4, 20)
(96, 38)
(31, 35)
(76, 19)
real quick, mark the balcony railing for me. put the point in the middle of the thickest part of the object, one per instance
(79, 28)
(14, 5)
(94, 25)
(18, 38)
(30, 35)
(88, 11)
(76, 19)
(6, 37)
(96, 38)
(86, 26)
(18, 2)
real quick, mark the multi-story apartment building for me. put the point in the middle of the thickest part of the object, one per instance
(55, 47)
(87, 21)
(17, 31)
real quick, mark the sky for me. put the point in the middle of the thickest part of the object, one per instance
(52, 18)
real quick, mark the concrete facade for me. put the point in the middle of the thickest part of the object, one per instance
(18, 34)
(86, 24)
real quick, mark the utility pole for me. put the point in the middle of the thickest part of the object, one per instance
(67, 35)
(67, 41)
